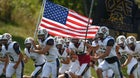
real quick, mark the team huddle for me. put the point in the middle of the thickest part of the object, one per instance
(58, 57)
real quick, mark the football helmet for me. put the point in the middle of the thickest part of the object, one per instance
(60, 41)
(57, 38)
(103, 30)
(131, 40)
(28, 40)
(7, 36)
(67, 39)
(120, 39)
(43, 32)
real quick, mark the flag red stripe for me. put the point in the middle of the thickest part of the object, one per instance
(74, 22)
(75, 36)
(71, 12)
(78, 29)
(76, 17)
(62, 30)
(54, 29)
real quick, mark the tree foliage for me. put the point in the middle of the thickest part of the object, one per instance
(19, 11)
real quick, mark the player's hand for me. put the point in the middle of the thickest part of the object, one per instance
(31, 50)
(68, 50)
(95, 58)
(122, 65)
(25, 60)
(15, 66)
(61, 61)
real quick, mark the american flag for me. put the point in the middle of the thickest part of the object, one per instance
(61, 21)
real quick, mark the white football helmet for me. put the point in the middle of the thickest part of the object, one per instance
(57, 38)
(67, 40)
(104, 30)
(28, 40)
(43, 32)
(7, 36)
(60, 41)
(120, 39)
(131, 40)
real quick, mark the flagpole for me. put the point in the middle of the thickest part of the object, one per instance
(39, 18)
(91, 7)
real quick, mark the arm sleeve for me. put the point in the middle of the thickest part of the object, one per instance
(110, 42)
(50, 42)
(17, 48)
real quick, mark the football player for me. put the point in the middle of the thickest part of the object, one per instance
(12, 50)
(110, 57)
(37, 58)
(131, 62)
(48, 48)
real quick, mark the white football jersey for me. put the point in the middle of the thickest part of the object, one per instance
(122, 51)
(11, 52)
(79, 49)
(136, 52)
(133, 61)
(63, 55)
(2, 54)
(52, 54)
(103, 45)
(37, 58)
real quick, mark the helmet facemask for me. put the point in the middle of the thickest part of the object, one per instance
(28, 45)
(131, 42)
(59, 43)
(75, 40)
(6, 38)
(121, 41)
(28, 42)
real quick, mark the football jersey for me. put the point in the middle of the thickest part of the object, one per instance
(103, 45)
(79, 49)
(63, 55)
(37, 58)
(82, 58)
(10, 51)
(52, 54)
(122, 51)
(2, 54)
(136, 52)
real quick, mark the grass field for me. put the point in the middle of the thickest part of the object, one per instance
(19, 34)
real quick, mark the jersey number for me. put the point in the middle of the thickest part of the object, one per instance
(11, 58)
